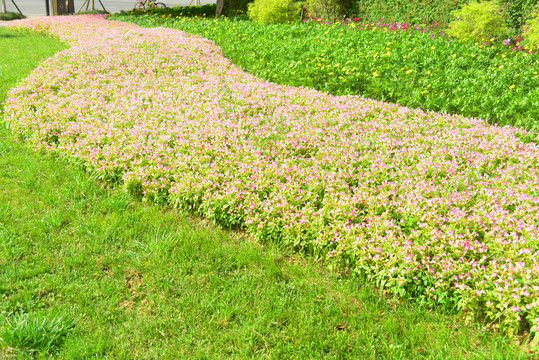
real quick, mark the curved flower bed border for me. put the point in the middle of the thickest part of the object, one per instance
(441, 208)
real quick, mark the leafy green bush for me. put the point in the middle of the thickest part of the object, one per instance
(411, 11)
(328, 9)
(435, 11)
(477, 21)
(236, 7)
(531, 35)
(7, 16)
(177, 11)
(274, 11)
(516, 11)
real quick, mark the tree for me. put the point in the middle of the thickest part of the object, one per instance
(4, 11)
(220, 6)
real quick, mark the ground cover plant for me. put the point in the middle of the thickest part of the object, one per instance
(439, 208)
(85, 272)
(91, 12)
(394, 62)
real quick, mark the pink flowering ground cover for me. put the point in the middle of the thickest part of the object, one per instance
(444, 209)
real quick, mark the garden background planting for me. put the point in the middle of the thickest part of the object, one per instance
(440, 208)
(435, 11)
(412, 65)
(412, 11)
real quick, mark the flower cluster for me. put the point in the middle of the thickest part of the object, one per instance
(437, 207)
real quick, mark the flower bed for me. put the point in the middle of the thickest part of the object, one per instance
(444, 209)
(412, 65)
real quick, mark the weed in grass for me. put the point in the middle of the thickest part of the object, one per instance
(33, 333)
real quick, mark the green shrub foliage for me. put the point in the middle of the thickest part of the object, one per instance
(235, 7)
(7, 16)
(328, 9)
(517, 11)
(434, 11)
(531, 34)
(409, 11)
(203, 11)
(274, 11)
(477, 21)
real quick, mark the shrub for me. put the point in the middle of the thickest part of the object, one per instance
(236, 7)
(274, 11)
(328, 9)
(477, 21)
(11, 16)
(531, 35)
(516, 11)
(411, 11)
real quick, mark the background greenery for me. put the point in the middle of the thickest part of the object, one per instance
(518, 11)
(274, 11)
(417, 68)
(409, 11)
(434, 11)
(478, 21)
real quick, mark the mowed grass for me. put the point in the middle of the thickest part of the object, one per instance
(86, 272)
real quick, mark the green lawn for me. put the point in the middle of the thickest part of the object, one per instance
(86, 272)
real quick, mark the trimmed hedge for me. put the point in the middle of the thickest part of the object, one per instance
(409, 11)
